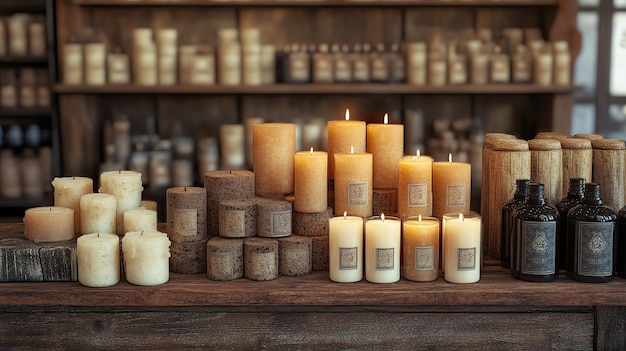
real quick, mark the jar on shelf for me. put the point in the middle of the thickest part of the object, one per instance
(323, 65)
(416, 63)
(8, 88)
(268, 64)
(37, 37)
(543, 65)
(118, 67)
(18, 37)
(95, 63)
(521, 65)
(167, 53)
(361, 63)
(202, 70)
(298, 65)
(499, 66)
(42, 87)
(27, 88)
(342, 66)
(379, 65)
(562, 64)
(72, 63)
(396, 63)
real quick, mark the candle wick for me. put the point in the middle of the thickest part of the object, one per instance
(142, 232)
(50, 209)
(345, 215)
(73, 177)
(120, 171)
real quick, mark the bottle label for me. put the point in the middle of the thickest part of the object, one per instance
(348, 258)
(466, 259)
(538, 248)
(385, 259)
(417, 195)
(424, 258)
(595, 248)
(281, 223)
(358, 194)
(455, 195)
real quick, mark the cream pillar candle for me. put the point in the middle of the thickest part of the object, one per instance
(382, 250)
(353, 183)
(420, 249)
(451, 187)
(49, 224)
(95, 63)
(126, 187)
(140, 219)
(346, 249)
(73, 64)
(146, 258)
(386, 143)
(67, 193)
(98, 213)
(462, 245)
(274, 147)
(310, 181)
(98, 259)
(415, 189)
(342, 135)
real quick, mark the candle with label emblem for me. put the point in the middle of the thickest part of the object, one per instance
(346, 249)
(462, 245)
(382, 249)
(415, 190)
(420, 247)
(342, 135)
(451, 187)
(353, 183)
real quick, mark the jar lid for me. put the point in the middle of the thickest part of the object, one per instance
(588, 136)
(510, 145)
(544, 144)
(575, 143)
(551, 135)
(608, 144)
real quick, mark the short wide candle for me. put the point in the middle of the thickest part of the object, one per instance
(49, 224)
(311, 181)
(462, 246)
(346, 249)
(382, 250)
(67, 193)
(146, 258)
(98, 257)
(451, 187)
(420, 248)
(98, 213)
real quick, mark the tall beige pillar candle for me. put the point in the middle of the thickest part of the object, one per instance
(386, 143)
(310, 180)
(274, 147)
(353, 183)
(415, 190)
(451, 187)
(342, 135)
(67, 193)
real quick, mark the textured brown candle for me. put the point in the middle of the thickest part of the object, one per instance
(274, 147)
(186, 214)
(188, 257)
(551, 135)
(260, 259)
(311, 223)
(273, 218)
(237, 218)
(295, 255)
(588, 136)
(385, 201)
(224, 259)
(577, 160)
(608, 170)
(320, 252)
(546, 167)
(225, 185)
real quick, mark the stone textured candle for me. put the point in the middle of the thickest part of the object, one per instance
(415, 191)
(420, 249)
(274, 146)
(225, 185)
(577, 160)
(311, 223)
(126, 187)
(224, 259)
(49, 224)
(346, 249)
(451, 187)
(320, 252)
(260, 259)
(237, 218)
(295, 255)
(67, 193)
(98, 213)
(189, 257)
(382, 249)
(342, 135)
(608, 170)
(273, 218)
(310, 181)
(386, 144)
(140, 219)
(546, 167)
(98, 259)
(186, 214)
(353, 183)
(146, 258)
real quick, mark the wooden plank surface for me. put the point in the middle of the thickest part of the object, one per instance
(611, 328)
(311, 3)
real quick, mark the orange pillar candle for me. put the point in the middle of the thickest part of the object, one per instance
(420, 249)
(342, 135)
(415, 189)
(386, 143)
(49, 224)
(274, 146)
(353, 183)
(310, 181)
(451, 187)
(67, 193)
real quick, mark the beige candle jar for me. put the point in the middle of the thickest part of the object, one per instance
(416, 63)
(118, 68)
(95, 64)
(73, 64)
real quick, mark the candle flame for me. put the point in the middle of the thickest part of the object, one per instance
(382, 217)
(419, 218)
(352, 150)
(345, 215)
(347, 114)
(386, 119)
(311, 150)
(461, 218)
(450, 157)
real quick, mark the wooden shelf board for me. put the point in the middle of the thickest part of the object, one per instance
(14, 6)
(25, 112)
(23, 60)
(317, 89)
(496, 287)
(319, 3)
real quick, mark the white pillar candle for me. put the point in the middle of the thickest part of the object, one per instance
(140, 219)
(346, 249)
(98, 213)
(49, 224)
(126, 187)
(67, 193)
(98, 259)
(382, 250)
(146, 258)
(462, 249)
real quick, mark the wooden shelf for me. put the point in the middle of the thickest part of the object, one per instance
(25, 112)
(317, 89)
(23, 60)
(318, 3)
(14, 6)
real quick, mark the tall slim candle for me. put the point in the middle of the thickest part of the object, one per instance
(382, 250)
(274, 146)
(386, 143)
(342, 135)
(346, 249)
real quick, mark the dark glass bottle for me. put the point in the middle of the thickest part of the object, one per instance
(533, 254)
(519, 198)
(591, 238)
(620, 243)
(574, 197)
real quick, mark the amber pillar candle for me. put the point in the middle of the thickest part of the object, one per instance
(186, 214)
(98, 213)
(546, 167)
(67, 193)
(346, 249)
(386, 144)
(420, 249)
(224, 258)
(310, 181)
(577, 160)
(382, 249)
(126, 187)
(608, 170)
(140, 219)
(98, 259)
(146, 258)
(415, 189)
(451, 187)
(225, 185)
(353, 183)
(274, 146)
(343, 135)
(49, 224)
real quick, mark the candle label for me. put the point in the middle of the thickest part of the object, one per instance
(424, 258)
(186, 222)
(221, 264)
(539, 245)
(281, 223)
(595, 248)
(357, 194)
(466, 259)
(385, 259)
(417, 195)
(233, 223)
(348, 258)
(455, 195)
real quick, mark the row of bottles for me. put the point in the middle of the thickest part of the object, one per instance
(22, 34)
(24, 88)
(580, 234)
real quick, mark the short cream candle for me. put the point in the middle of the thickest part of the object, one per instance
(415, 190)
(451, 187)
(386, 143)
(343, 135)
(346, 249)
(420, 248)
(98, 213)
(67, 193)
(126, 187)
(382, 250)
(49, 224)
(353, 183)
(274, 146)
(310, 181)
(461, 246)
(140, 219)
(146, 258)
(98, 259)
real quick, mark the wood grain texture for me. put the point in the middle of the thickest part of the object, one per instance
(610, 328)
(22, 260)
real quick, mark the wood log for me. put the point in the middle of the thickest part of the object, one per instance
(26, 261)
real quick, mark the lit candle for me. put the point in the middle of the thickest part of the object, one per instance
(382, 250)
(98, 259)
(420, 247)
(461, 248)
(146, 258)
(98, 213)
(451, 187)
(274, 146)
(67, 193)
(386, 143)
(126, 187)
(310, 181)
(341, 136)
(49, 224)
(353, 183)
(415, 190)
(346, 249)
(140, 219)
